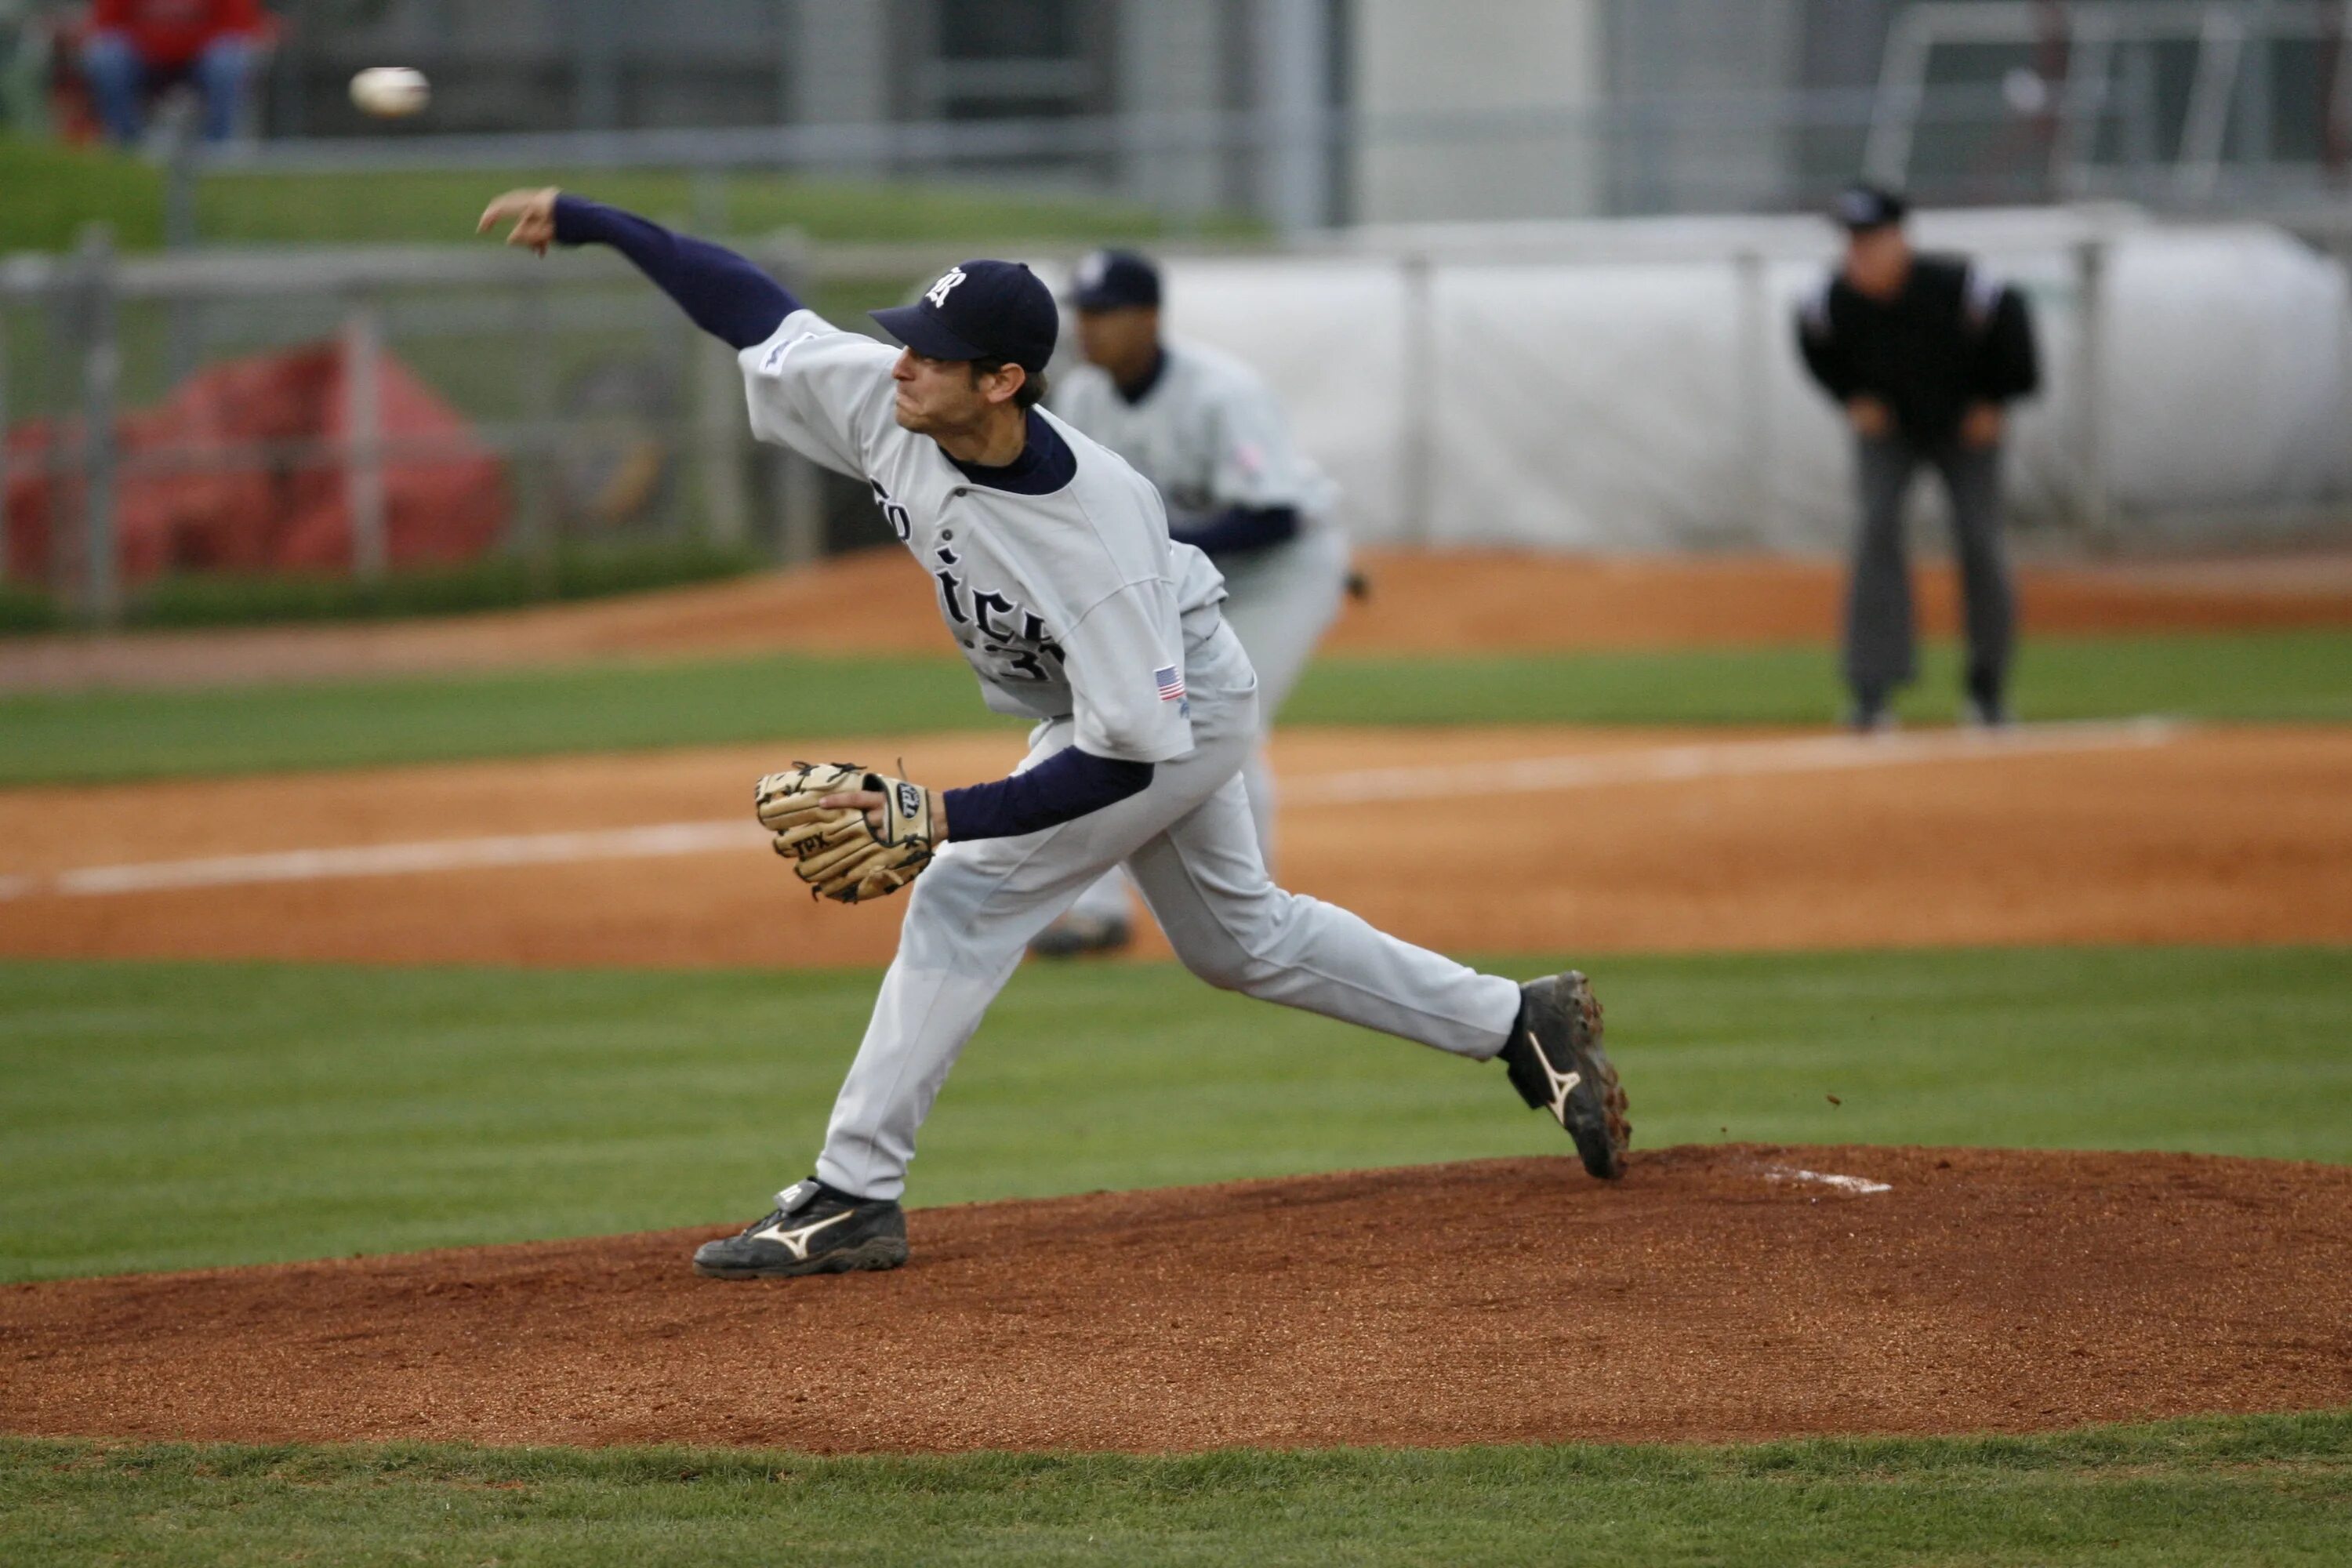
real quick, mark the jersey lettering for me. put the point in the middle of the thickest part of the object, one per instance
(952, 597)
(1029, 654)
(1033, 630)
(981, 605)
(901, 524)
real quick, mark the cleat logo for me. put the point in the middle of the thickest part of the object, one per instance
(1562, 1084)
(796, 1242)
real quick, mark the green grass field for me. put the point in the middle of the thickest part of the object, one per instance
(54, 190)
(2287, 675)
(2230, 1493)
(165, 1115)
(169, 1115)
(175, 1115)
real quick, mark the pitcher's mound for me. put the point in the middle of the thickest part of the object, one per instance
(1730, 1291)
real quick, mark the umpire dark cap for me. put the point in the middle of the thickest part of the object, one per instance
(1862, 208)
(1115, 280)
(980, 309)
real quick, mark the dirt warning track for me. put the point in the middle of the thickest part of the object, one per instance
(1719, 1293)
(876, 602)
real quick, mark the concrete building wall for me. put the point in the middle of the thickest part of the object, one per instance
(1729, 148)
(1171, 61)
(1413, 57)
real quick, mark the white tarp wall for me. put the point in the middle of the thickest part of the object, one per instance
(1635, 385)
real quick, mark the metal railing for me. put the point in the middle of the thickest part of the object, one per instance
(2072, 93)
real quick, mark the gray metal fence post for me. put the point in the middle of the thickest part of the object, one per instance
(2097, 520)
(180, 175)
(183, 339)
(1417, 478)
(535, 515)
(721, 431)
(4, 439)
(364, 493)
(100, 381)
(800, 485)
(1753, 388)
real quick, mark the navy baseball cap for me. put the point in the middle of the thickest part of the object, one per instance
(1862, 208)
(1114, 279)
(980, 309)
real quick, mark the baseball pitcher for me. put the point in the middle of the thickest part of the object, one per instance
(1050, 562)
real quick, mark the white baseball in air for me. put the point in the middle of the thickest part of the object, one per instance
(391, 93)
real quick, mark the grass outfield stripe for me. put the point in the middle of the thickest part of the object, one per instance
(2226, 1491)
(2282, 677)
(163, 1115)
(1531, 775)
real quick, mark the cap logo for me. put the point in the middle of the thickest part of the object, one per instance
(937, 292)
(1092, 267)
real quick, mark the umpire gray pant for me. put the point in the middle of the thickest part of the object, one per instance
(1881, 650)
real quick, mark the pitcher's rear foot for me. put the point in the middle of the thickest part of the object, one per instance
(813, 1229)
(1076, 935)
(1555, 1061)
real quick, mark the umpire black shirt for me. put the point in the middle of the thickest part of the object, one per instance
(1952, 337)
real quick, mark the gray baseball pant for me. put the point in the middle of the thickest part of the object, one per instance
(1188, 841)
(1881, 651)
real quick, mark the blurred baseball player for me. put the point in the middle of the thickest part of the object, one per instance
(1051, 564)
(1206, 430)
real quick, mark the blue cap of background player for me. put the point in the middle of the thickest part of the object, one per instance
(1115, 280)
(1862, 208)
(980, 309)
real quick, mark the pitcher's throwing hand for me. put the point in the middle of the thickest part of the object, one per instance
(533, 213)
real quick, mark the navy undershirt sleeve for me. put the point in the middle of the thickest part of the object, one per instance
(1240, 528)
(1063, 787)
(724, 294)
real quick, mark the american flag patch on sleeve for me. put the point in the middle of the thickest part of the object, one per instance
(1171, 683)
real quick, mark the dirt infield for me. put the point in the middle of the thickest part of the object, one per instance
(1461, 601)
(1716, 1294)
(1638, 840)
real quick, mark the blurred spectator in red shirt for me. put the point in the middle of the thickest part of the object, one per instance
(136, 47)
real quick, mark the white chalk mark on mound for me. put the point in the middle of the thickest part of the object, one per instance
(1826, 1179)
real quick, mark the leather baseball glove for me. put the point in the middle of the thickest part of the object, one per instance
(834, 849)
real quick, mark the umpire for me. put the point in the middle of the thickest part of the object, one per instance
(1923, 352)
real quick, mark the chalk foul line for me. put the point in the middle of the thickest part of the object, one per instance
(1734, 759)
(1528, 776)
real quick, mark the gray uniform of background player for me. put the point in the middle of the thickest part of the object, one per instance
(1210, 434)
(1068, 607)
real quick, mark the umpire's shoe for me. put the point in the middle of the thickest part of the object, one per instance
(1556, 1062)
(813, 1230)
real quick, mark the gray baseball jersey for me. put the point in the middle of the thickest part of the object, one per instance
(1209, 434)
(1074, 603)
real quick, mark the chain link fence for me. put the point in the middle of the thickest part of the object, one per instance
(559, 407)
